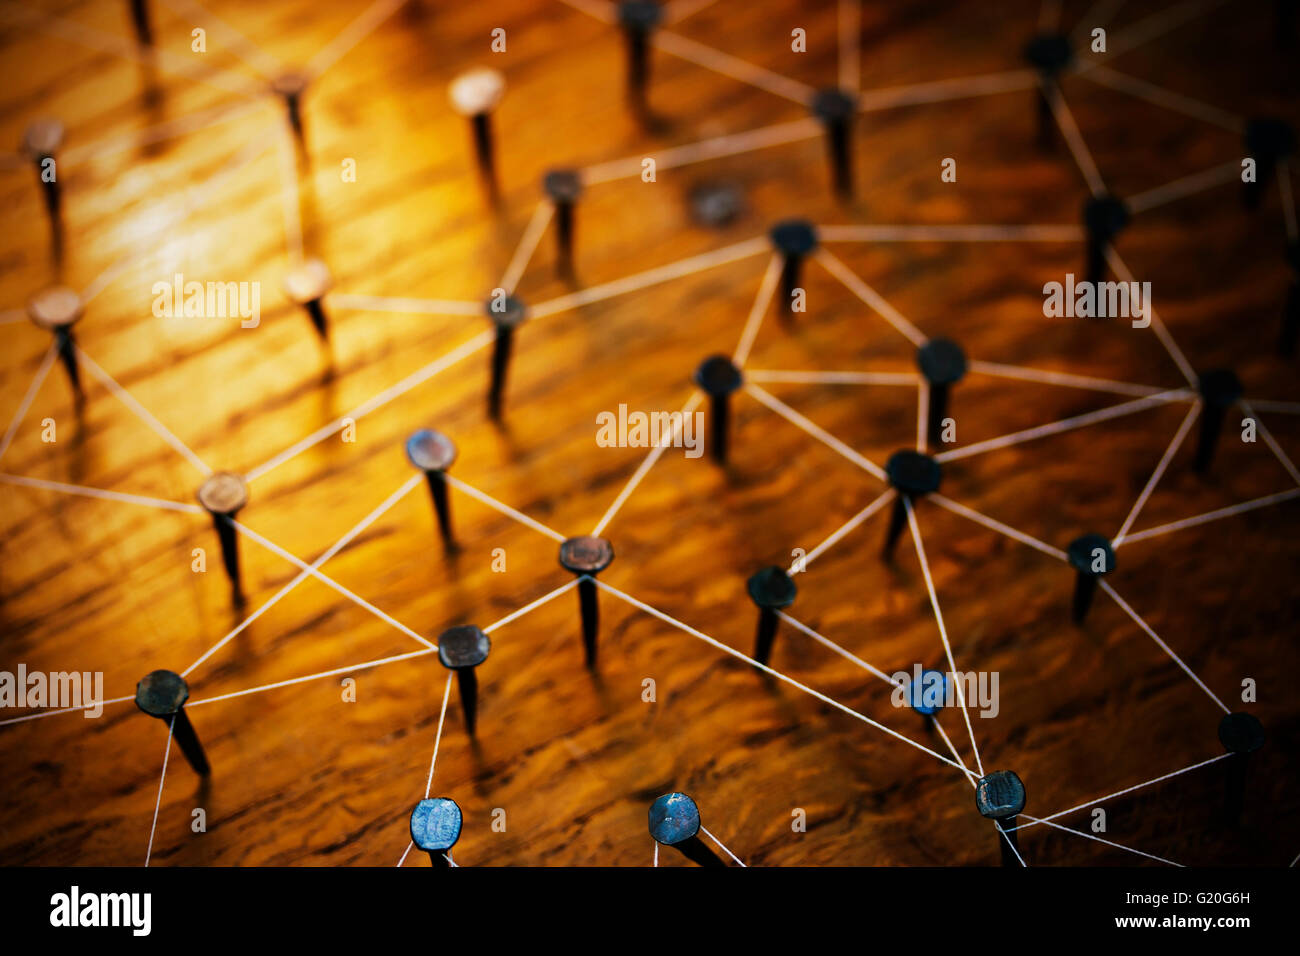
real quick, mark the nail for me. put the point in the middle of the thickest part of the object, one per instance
(794, 240)
(223, 494)
(913, 475)
(1268, 141)
(435, 828)
(716, 204)
(140, 20)
(1241, 735)
(1220, 389)
(587, 556)
(563, 187)
(928, 694)
(163, 694)
(1000, 796)
(771, 589)
(462, 649)
(305, 285)
(638, 18)
(942, 363)
(42, 141)
(57, 309)
(718, 377)
(290, 87)
(1050, 54)
(475, 94)
(433, 453)
(1092, 557)
(506, 313)
(836, 108)
(1103, 218)
(675, 822)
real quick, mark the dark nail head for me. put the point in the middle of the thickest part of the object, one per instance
(161, 693)
(793, 237)
(640, 15)
(1241, 733)
(941, 361)
(1049, 53)
(999, 794)
(718, 376)
(463, 646)
(586, 554)
(55, 307)
(1104, 216)
(833, 105)
(429, 450)
(772, 588)
(913, 473)
(223, 493)
(506, 311)
(435, 824)
(562, 185)
(1219, 387)
(1082, 553)
(1269, 138)
(674, 817)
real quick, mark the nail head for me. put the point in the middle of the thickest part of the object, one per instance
(43, 138)
(161, 693)
(55, 307)
(793, 237)
(435, 824)
(477, 91)
(1082, 551)
(718, 376)
(562, 185)
(999, 795)
(1241, 733)
(587, 554)
(1219, 387)
(308, 282)
(913, 473)
(833, 105)
(463, 646)
(772, 588)
(223, 493)
(506, 313)
(674, 818)
(941, 361)
(429, 450)
(1050, 53)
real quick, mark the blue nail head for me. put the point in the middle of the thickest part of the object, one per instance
(674, 817)
(435, 824)
(1083, 554)
(927, 695)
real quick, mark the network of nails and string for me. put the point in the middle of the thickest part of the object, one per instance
(1141, 397)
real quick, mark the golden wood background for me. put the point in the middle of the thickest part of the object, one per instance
(301, 777)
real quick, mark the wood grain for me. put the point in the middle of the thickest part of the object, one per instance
(575, 758)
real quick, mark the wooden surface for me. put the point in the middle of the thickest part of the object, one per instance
(574, 759)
